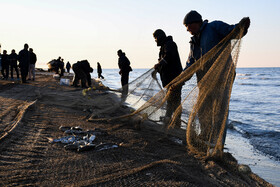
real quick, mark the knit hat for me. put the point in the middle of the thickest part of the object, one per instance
(159, 33)
(192, 17)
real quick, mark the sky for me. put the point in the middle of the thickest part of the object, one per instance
(96, 29)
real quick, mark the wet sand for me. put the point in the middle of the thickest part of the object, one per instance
(33, 112)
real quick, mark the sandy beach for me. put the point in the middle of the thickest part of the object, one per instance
(32, 113)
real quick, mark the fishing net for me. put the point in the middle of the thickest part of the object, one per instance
(201, 109)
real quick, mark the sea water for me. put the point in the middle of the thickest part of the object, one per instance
(254, 115)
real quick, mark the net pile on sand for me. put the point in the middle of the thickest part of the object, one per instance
(204, 105)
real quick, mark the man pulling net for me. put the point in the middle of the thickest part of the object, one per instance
(213, 58)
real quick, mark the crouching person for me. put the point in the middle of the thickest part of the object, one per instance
(82, 72)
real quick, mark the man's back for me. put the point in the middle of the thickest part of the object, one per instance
(33, 58)
(124, 63)
(24, 57)
(173, 67)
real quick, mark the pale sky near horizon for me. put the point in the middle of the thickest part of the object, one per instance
(95, 30)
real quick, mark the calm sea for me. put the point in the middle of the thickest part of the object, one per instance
(254, 133)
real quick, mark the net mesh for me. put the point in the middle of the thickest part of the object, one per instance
(199, 108)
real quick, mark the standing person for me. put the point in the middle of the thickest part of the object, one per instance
(13, 58)
(33, 59)
(124, 65)
(205, 37)
(99, 70)
(68, 66)
(169, 67)
(61, 67)
(24, 60)
(5, 65)
(57, 65)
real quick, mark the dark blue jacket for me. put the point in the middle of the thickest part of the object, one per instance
(210, 35)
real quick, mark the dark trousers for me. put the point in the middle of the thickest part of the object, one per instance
(124, 80)
(12, 71)
(99, 75)
(173, 102)
(89, 79)
(61, 72)
(5, 71)
(24, 73)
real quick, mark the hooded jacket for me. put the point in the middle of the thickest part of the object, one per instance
(124, 64)
(170, 61)
(210, 35)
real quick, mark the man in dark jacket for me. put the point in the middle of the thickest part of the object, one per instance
(82, 72)
(24, 60)
(33, 59)
(205, 37)
(13, 58)
(124, 65)
(169, 67)
(99, 70)
(5, 65)
(61, 67)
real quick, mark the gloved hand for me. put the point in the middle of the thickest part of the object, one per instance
(157, 66)
(154, 74)
(245, 22)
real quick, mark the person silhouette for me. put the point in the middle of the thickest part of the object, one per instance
(5, 65)
(13, 58)
(33, 59)
(124, 65)
(68, 66)
(169, 67)
(24, 60)
(99, 70)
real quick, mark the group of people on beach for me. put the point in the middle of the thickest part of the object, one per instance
(82, 71)
(205, 35)
(27, 60)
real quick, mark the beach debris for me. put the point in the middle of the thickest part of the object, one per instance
(75, 130)
(64, 140)
(177, 140)
(82, 140)
(92, 138)
(71, 147)
(86, 147)
(64, 128)
(64, 82)
(79, 131)
(244, 169)
(105, 146)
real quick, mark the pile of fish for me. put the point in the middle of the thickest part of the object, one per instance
(80, 140)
